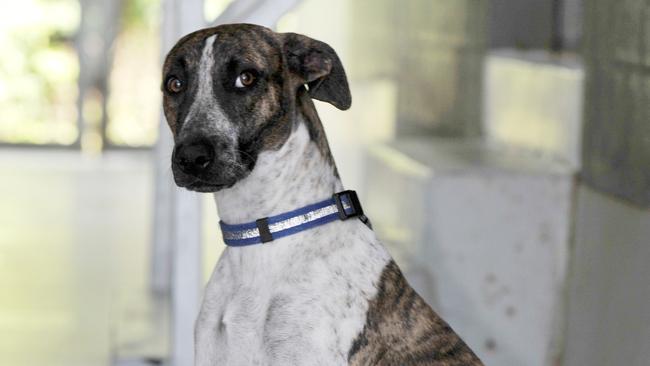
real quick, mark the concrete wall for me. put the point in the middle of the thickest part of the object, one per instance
(433, 51)
(609, 287)
(373, 38)
(609, 293)
(524, 24)
(439, 65)
(616, 148)
(528, 24)
(572, 24)
(533, 100)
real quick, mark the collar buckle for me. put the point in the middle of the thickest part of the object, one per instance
(350, 199)
(264, 230)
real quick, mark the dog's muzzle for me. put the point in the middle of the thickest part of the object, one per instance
(194, 157)
(205, 164)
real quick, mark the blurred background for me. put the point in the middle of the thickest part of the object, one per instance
(501, 148)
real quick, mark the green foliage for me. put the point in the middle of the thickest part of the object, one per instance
(140, 14)
(38, 71)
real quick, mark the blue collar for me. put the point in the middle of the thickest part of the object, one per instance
(341, 206)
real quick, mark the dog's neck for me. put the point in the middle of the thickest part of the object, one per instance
(300, 173)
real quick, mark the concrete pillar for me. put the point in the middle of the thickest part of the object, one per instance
(94, 43)
(572, 24)
(608, 319)
(616, 148)
(608, 316)
(177, 224)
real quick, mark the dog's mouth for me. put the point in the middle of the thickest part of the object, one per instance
(196, 184)
(204, 187)
(199, 185)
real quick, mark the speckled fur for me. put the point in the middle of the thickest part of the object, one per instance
(331, 295)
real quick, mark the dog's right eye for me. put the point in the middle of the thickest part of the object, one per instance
(174, 85)
(245, 79)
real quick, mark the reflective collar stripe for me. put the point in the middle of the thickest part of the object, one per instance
(292, 222)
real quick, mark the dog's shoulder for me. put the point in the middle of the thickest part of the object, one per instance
(401, 329)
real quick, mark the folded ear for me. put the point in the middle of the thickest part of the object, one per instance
(316, 64)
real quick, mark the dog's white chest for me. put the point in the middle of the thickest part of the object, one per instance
(298, 301)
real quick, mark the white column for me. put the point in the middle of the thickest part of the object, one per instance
(179, 18)
(177, 220)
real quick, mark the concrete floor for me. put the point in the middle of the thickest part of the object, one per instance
(74, 237)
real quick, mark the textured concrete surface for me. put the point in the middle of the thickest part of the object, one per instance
(372, 36)
(483, 235)
(609, 292)
(524, 24)
(616, 142)
(439, 64)
(533, 100)
(433, 50)
(528, 24)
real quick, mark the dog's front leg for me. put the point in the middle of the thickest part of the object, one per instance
(206, 346)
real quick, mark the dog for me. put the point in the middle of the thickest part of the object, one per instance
(304, 280)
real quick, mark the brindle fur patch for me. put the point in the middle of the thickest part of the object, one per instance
(401, 329)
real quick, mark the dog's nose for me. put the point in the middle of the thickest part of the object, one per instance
(194, 157)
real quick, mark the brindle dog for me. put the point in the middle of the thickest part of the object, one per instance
(238, 99)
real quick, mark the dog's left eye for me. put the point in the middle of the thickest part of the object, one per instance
(174, 85)
(245, 79)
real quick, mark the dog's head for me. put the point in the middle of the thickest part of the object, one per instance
(230, 93)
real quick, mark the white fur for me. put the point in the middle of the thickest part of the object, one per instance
(301, 299)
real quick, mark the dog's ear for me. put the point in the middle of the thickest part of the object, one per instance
(316, 64)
